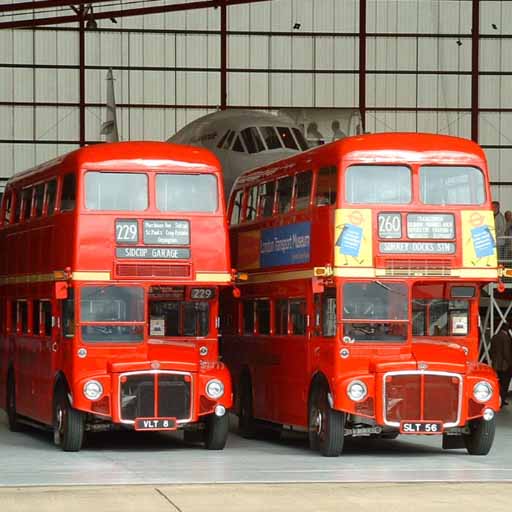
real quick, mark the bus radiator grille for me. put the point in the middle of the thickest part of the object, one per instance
(139, 400)
(405, 393)
(148, 270)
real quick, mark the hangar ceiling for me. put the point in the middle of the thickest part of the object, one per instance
(419, 65)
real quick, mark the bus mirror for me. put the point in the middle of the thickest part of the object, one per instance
(61, 290)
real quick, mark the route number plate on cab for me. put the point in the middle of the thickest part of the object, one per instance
(155, 424)
(421, 427)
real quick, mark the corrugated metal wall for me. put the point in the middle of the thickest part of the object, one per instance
(418, 57)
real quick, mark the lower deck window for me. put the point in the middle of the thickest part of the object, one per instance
(179, 318)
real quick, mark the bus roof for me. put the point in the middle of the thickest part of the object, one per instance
(140, 154)
(381, 147)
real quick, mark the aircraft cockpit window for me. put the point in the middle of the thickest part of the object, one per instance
(238, 146)
(271, 138)
(252, 140)
(287, 137)
(229, 140)
(300, 139)
(223, 139)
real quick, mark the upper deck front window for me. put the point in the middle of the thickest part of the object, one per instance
(186, 193)
(378, 184)
(116, 191)
(451, 185)
(375, 312)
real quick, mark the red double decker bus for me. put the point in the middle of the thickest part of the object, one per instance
(365, 260)
(111, 261)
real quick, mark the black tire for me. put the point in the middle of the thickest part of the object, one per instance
(216, 434)
(479, 440)
(12, 415)
(68, 423)
(246, 424)
(326, 426)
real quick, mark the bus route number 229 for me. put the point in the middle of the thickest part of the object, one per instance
(202, 293)
(127, 231)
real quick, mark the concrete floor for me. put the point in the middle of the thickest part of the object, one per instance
(164, 459)
(257, 497)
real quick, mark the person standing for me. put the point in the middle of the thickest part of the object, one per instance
(499, 222)
(501, 356)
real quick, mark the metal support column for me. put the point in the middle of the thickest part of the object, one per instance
(223, 56)
(362, 61)
(81, 46)
(475, 68)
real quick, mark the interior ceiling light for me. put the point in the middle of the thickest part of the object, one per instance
(459, 42)
(296, 26)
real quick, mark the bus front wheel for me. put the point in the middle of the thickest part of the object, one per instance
(68, 428)
(216, 434)
(480, 437)
(326, 426)
(12, 415)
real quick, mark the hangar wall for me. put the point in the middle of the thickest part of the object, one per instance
(167, 70)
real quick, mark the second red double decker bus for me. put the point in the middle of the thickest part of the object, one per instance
(111, 261)
(365, 260)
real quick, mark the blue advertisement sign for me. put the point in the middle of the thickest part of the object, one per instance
(483, 241)
(285, 245)
(350, 239)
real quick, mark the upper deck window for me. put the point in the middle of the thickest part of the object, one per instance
(27, 203)
(51, 195)
(186, 193)
(451, 185)
(38, 199)
(252, 140)
(8, 207)
(68, 195)
(237, 207)
(116, 191)
(284, 194)
(252, 203)
(271, 138)
(303, 190)
(267, 198)
(378, 184)
(326, 186)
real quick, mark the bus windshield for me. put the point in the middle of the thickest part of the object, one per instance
(112, 313)
(116, 191)
(186, 193)
(376, 312)
(378, 184)
(451, 185)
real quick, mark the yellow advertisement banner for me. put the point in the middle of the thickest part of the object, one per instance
(353, 238)
(478, 239)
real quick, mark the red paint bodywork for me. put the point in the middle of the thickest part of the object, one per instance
(76, 246)
(282, 368)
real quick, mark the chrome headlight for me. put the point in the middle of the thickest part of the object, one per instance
(482, 391)
(93, 390)
(357, 390)
(214, 389)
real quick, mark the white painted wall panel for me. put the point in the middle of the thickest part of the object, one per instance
(6, 46)
(258, 89)
(346, 90)
(302, 89)
(6, 160)
(23, 47)
(23, 84)
(280, 53)
(310, 17)
(239, 53)
(325, 90)
(259, 52)
(67, 48)
(238, 89)
(7, 124)
(281, 18)
(281, 89)
(325, 54)
(302, 53)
